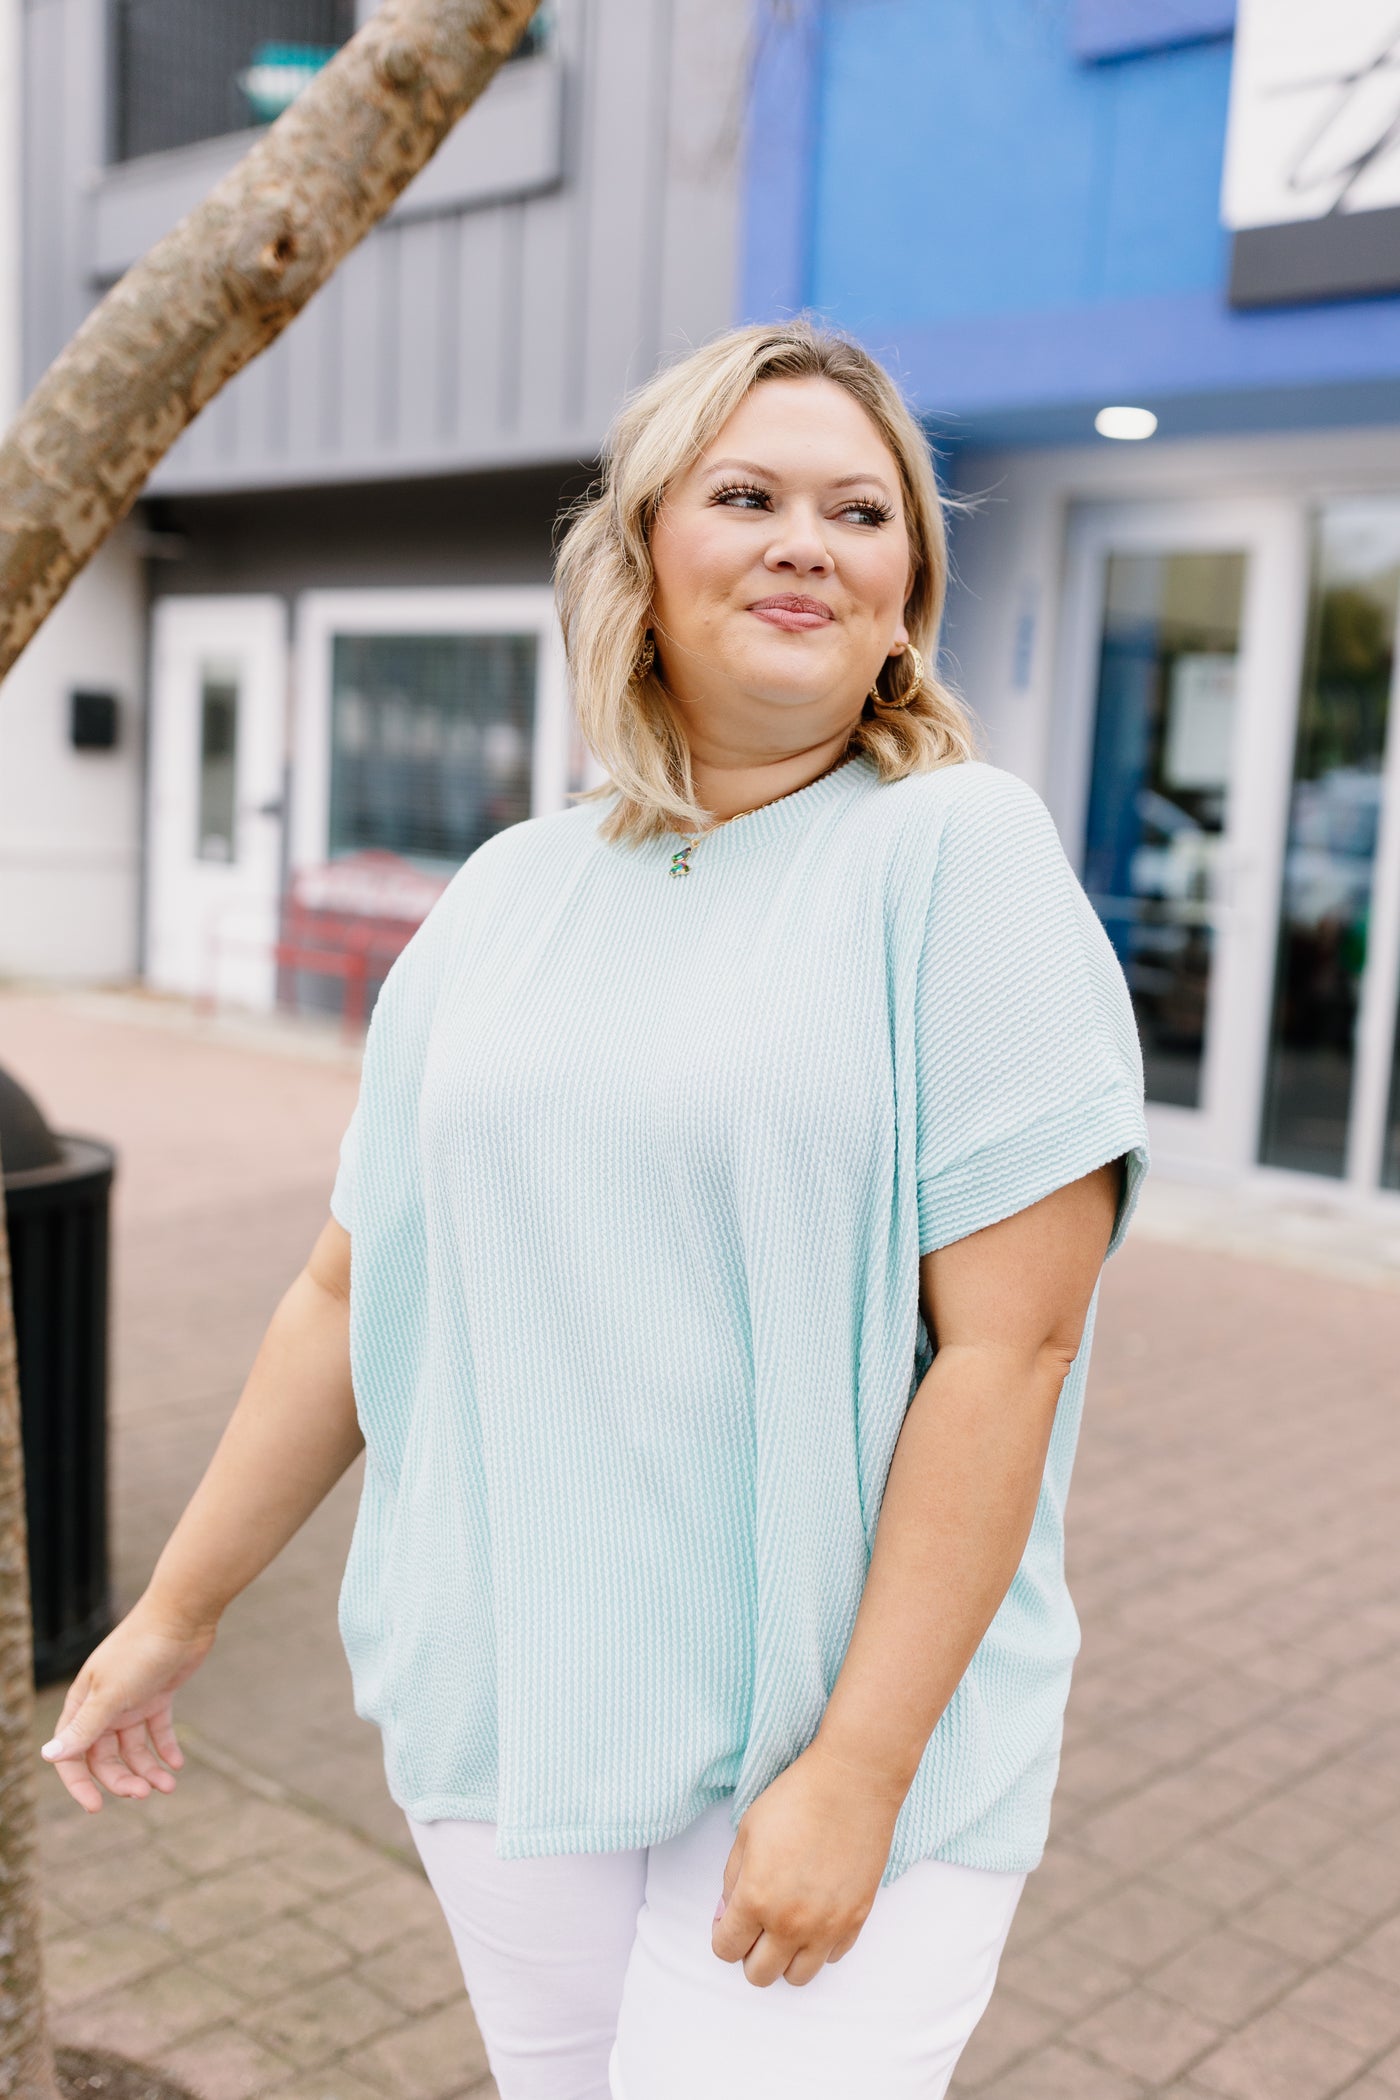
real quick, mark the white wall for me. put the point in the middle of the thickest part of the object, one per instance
(69, 820)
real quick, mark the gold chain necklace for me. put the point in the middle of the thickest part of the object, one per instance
(680, 859)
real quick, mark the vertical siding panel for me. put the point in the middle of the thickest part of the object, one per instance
(545, 344)
(388, 240)
(221, 420)
(85, 148)
(697, 281)
(303, 350)
(330, 321)
(578, 33)
(247, 431)
(275, 428)
(359, 348)
(623, 129)
(82, 96)
(656, 190)
(512, 319)
(45, 285)
(447, 359)
(486, 329)
(418, 324)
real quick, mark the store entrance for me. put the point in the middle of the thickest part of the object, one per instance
(1181, 669)
(217, 769)
(1331, 1105)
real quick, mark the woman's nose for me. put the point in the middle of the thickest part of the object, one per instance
(799, 546)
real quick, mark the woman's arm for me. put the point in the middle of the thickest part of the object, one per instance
(290, 1438)
(1007, 1307)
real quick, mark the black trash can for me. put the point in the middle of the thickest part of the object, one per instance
(57, 1193)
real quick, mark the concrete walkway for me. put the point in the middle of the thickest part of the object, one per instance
(1218, 1914)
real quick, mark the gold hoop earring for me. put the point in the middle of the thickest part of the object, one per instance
(646, 657)
(895, 707)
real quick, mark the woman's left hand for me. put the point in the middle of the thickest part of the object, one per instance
(805, 1866)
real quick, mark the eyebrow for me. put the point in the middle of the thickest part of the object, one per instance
(750, 466)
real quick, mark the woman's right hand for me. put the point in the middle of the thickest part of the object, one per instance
(116, 1729)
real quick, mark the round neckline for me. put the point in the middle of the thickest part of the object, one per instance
(771, 819)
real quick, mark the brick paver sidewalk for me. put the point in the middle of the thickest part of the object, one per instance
(1218, 1915)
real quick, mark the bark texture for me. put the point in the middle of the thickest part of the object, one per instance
(225, 283)
(26, 2065)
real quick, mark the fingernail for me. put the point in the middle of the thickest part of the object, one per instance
(53, 1749)
(719, 1910)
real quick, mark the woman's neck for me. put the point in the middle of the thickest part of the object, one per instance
(732, 787)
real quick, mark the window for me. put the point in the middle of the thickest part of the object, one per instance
(1159, 793)
(216, 837)
(186, 70)
(190, 69)
(1333, 830)
(431, 741)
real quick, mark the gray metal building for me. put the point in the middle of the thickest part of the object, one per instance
(339, 576)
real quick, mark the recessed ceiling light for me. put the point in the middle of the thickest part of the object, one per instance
(1125, 422)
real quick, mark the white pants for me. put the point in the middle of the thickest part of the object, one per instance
(592, 1976)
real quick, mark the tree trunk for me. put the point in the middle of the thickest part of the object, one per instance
(200, 306)
(26, 2066)
(225, 283)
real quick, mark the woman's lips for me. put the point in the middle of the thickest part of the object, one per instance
(795, 614)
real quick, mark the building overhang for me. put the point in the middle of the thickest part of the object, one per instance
(1040, 378)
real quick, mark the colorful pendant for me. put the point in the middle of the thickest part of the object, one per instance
(680, 859)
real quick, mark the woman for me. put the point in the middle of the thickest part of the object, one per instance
(715, 1245)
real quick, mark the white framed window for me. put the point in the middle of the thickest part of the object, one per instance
(426, 720)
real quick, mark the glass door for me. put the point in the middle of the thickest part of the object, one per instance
(217, 777)
(1332, 1086)
(1160, 775)
(1172, 778)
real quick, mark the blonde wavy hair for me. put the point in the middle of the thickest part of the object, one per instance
(604, 578)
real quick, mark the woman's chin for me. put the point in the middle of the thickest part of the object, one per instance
(787, 682)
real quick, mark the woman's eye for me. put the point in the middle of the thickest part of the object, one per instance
(744, 496)
(866, 513)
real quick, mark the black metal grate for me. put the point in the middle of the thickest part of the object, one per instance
(196, 69)
(181, 66)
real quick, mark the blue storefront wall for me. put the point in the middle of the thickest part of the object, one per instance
(1017, 205)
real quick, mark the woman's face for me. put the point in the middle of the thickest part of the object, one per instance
(782, 569)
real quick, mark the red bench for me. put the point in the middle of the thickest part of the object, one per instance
(351, 918)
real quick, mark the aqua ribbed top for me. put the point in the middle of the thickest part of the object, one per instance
(637, 1185)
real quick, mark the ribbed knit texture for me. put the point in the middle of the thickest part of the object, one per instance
(637, 1184)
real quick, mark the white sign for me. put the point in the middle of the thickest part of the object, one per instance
(370, 885)
(1314, 111)
(1200, 722)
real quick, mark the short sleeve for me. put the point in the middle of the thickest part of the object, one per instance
(1029, 1066)
(343, 1188)
(377, 1139)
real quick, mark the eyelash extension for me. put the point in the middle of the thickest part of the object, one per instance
(739, 488)
(879, 513)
